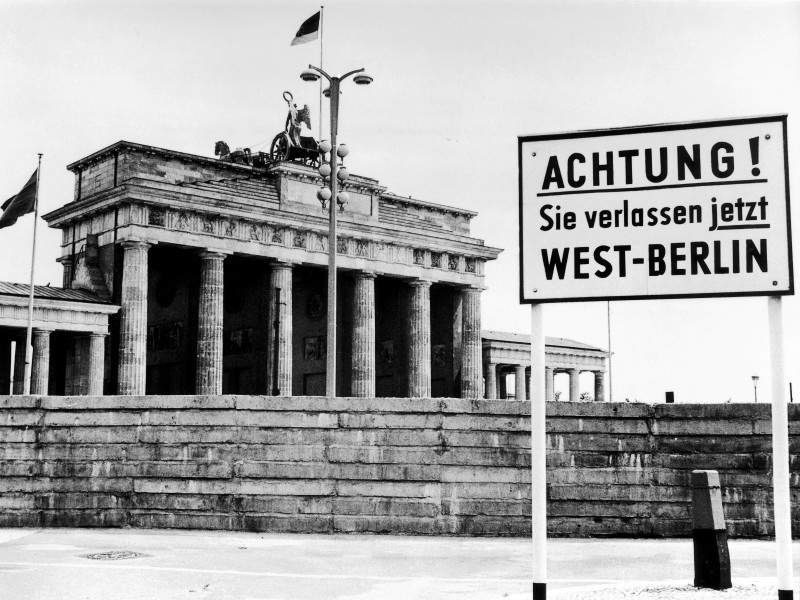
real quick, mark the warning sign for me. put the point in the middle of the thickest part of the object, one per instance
(662, 211)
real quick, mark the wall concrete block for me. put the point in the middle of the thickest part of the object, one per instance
(20, 518)
(189, 435)
(400, 421)
(491, 491)
(11, 435)
(29, 402)
(17, 502)
(279, 470)
(615, 493)
(284, 504)
(183, 502)
(91, 419)
(400, 507)
(491, 439)
(699, 427)
(277, 487)
(88, 435)
(13, 451)
(84, 518)
(81, 501)
(385, 524)
(389, 488)
(712, 412)
(143, 403)
(485, 475)
(610, 476)
(585, 410)
(734, 444)
(486, 423)
(599, 442)
(181, 520)
(19, 468)
(480, 406)
(598, 425)
(382, 472)
(20, 418)
(289, 524)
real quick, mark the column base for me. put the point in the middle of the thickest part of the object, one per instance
(712, 563)
(540, 591)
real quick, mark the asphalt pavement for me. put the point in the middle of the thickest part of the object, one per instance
(122, 564)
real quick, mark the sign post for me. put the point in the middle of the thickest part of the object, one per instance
(538, 455)
(686, 210)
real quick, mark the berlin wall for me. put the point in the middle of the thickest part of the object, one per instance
(401, 466)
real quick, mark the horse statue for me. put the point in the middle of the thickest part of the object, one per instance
(240, 156)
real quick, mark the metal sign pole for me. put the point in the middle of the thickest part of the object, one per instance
(780, 452)
(538, 455)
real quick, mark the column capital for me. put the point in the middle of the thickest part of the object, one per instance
(94, 334)
(282, 264)
(365, 274)
(212, 254)
(420, 283)
(473, 288)
(43, 330)
(135, 243)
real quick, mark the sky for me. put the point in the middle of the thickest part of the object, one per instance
(455, 84)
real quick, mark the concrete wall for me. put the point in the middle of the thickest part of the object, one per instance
(376, 465)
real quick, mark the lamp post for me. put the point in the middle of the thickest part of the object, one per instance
(361, 78)
(755, 384)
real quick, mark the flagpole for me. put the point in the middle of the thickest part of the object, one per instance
(321, 66)
(28, 347)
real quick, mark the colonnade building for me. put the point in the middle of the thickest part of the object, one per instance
(220, 273)
(210, 277)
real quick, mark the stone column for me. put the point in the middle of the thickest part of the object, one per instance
(519, 382)
(549, 384)
(528, 383)
(599, 386)
(363, 377)
(279, 320)
(574, 385)
(502, 380)
(19, 365)
(66, 279)
(96, 367)
(472, 347)
(208, 376)
(133, 322)
(40, 367)
(5, 367)
(419, 356)
(490, 376)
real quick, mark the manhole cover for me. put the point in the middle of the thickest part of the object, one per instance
(114, 555)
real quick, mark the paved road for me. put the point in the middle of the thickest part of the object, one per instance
(200, 565)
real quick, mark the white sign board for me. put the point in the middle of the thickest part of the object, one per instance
(662, 211)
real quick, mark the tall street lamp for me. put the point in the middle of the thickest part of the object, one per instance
(755, 384)
(361, 78)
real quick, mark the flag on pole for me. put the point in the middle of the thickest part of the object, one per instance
(21, 204)
(308, 31)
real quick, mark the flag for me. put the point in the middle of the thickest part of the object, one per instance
(21, 204)
(308, 31)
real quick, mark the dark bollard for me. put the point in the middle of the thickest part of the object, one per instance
(712, 563)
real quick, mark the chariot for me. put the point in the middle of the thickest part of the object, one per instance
(290, 144)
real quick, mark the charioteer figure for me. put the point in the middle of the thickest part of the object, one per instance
(296, 141)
